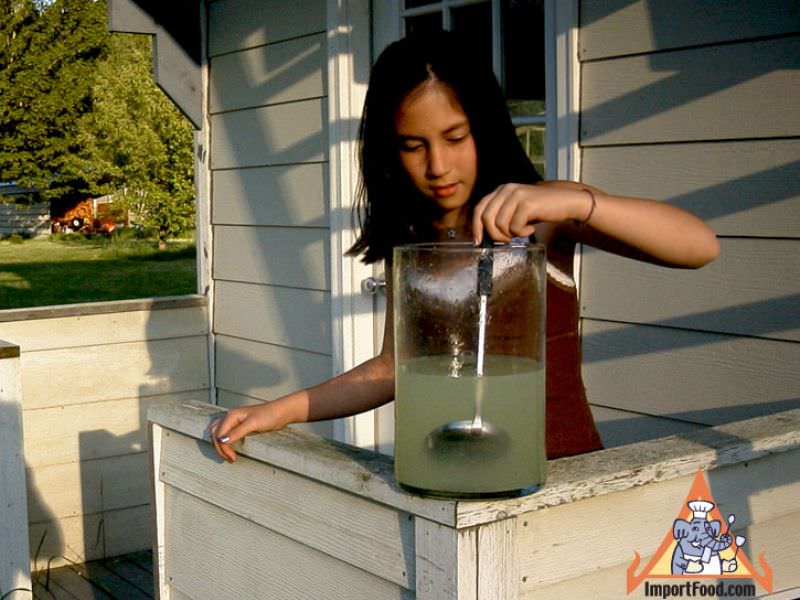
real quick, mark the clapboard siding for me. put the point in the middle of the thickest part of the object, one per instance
(91, 486)
(268, 74)
(266, 371)
(364, 533)
(688, 375)
(751, 289)
(255, 558)
(76, 377)
(293, 195)
(651, 26)
(620, 427)
(270, 135)
(22, 218)
(240, 24)
(287, 256)
(732, 91)
(742, 188)
(290, 317)
(88, 537)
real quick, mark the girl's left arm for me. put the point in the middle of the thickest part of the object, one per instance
(643, 229)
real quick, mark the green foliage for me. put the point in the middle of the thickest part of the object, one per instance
(80, 115)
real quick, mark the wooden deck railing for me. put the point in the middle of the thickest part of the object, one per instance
(299, 516)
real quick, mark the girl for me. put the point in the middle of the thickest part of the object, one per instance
(440, 160)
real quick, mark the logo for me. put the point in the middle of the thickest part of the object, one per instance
(700, 545)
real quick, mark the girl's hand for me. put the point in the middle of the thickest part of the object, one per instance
(239, 422)
(513, 209)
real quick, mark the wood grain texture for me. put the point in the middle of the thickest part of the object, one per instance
(289, 317)
(239, 24)
(714, 93)
(498, 560)
(658, 26)
(291, 195)
(363, 534)
(281, 72)
(447, 562)
(287, 256)
(740, 188)
(255, 558)
(751, 289)
(271, 135)
(702, 378)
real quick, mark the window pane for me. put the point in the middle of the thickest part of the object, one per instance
(474, 22)
(523, 55)
(424, 23)
(416, 3)
(532, 138)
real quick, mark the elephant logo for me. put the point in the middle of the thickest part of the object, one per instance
(700, 544)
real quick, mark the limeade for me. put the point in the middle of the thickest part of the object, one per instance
(430, 393)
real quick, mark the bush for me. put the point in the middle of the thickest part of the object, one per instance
(16, 238)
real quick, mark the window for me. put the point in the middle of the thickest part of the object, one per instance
(511, 37)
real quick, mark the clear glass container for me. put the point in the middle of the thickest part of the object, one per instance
(469, 333)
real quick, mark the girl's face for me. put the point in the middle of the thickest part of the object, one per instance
(437, 149)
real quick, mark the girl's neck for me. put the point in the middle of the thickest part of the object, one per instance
(453, 226)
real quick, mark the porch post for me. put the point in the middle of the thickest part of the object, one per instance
(15, 570)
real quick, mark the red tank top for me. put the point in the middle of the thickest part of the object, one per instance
(570, 425)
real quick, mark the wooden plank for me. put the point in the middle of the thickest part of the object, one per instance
(290, 195)
(265, 372)
(228, 399)
(128, 530)
(113, 428)
(621, 427)
(552, 544)
(281, 72)
(370, 474)
(364, 534)
(249, 557)
(131, 572)
(703, 378)
(238, 24)
(111, 583)
(284, 316)
(77, 376)
(286, 256)
(498, 560)
(752, 289)
(655, 26)
(447, 562)
(14, 569)
(68, 580)
(739, 188)
(90, 486)
(272, 135)
(725, 92)
(106, 328)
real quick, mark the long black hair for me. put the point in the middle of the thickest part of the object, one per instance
(390, 211)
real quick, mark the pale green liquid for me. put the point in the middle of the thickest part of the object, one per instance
(428, 397)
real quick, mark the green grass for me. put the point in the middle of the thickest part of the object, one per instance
(44, 272)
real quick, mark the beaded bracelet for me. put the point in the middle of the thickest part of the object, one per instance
(591, 210)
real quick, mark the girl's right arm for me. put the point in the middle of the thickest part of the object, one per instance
(362, 388)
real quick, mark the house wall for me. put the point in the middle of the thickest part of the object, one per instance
(89, 374)
(269, 198)
(18, 218)
(696, 105)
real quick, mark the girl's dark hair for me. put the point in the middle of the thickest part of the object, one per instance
(390, 211)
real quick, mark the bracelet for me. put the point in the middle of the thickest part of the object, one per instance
(591, 210)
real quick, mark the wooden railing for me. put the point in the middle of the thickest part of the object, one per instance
(298, 516)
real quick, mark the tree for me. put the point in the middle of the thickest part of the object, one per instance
(80, 115)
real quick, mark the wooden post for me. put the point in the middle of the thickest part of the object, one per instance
(15, 571)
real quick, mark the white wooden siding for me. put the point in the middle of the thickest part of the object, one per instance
(269, 152)
(693, 105)
(89, 374)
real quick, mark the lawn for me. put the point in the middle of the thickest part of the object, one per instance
(43, 272)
